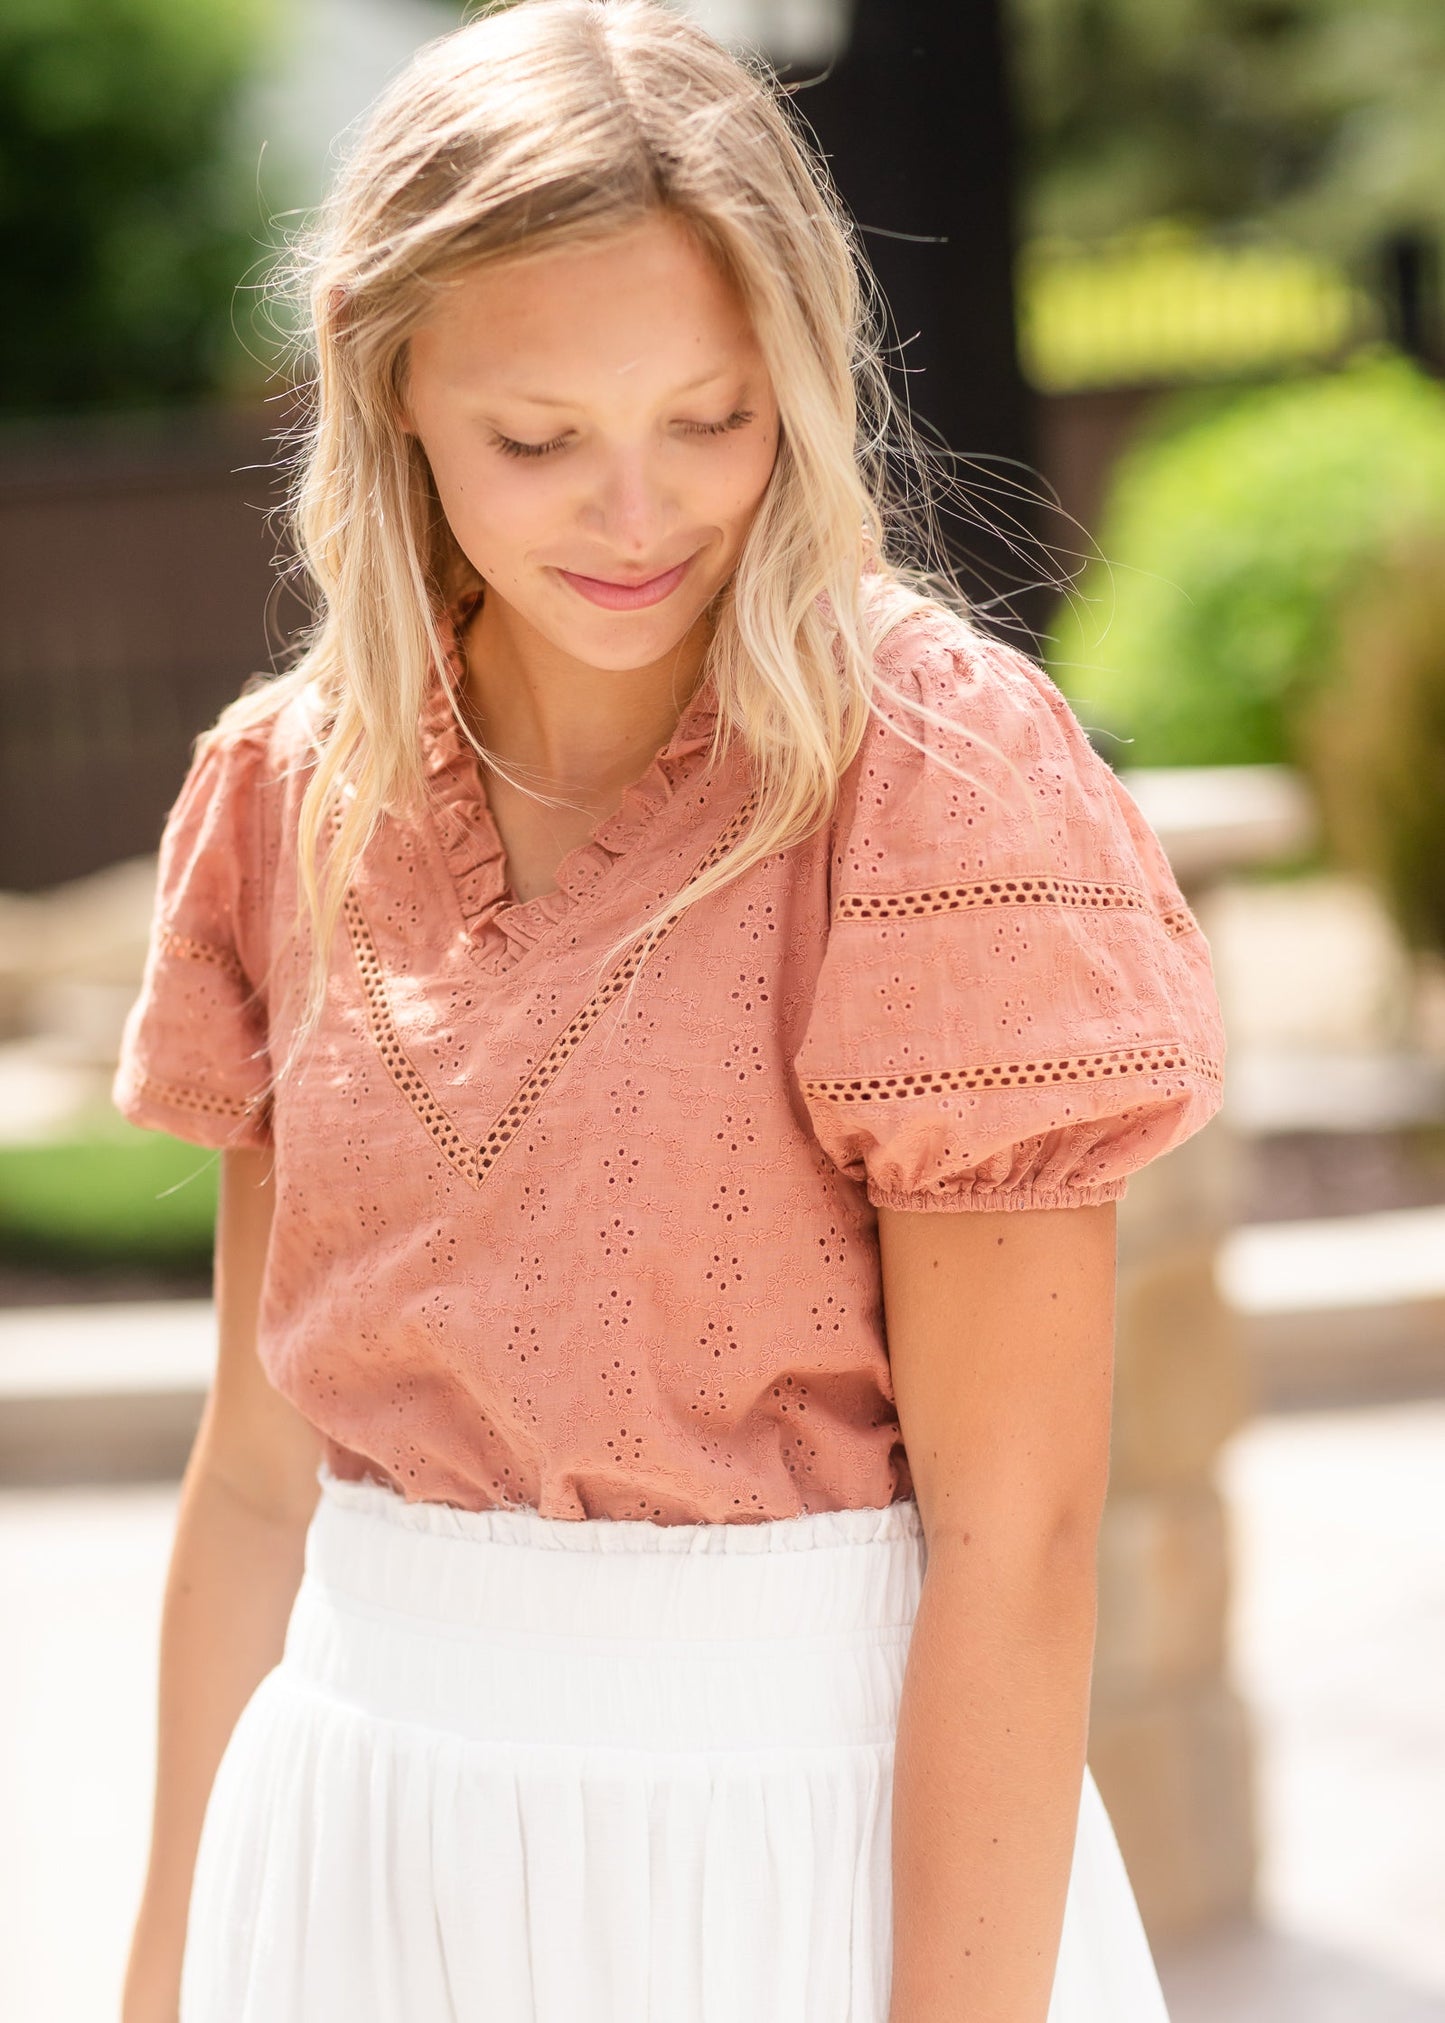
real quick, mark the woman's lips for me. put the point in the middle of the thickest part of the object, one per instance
(627, 596)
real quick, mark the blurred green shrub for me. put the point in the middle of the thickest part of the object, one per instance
(128, 213)
(1237, 527)
(1375, 741)
(117, 1196)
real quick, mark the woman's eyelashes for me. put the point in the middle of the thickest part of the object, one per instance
(739, 418)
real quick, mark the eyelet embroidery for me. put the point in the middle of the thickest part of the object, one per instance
(172, 942)
(474, 1160)
(1005, 892)
(1016, 1074)
(205, 1104)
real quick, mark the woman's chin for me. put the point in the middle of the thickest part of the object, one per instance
(620, 640)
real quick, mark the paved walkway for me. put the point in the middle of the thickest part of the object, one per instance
(1338, 1641)
(1339, 1636)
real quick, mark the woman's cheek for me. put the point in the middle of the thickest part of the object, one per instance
(500, 517)
(755, 470)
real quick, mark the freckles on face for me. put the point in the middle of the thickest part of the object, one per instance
(599, 412)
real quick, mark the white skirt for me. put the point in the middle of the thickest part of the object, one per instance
(519, 1769)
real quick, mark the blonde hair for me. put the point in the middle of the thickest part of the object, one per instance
(541, 124)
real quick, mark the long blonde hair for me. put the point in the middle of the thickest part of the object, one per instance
(540, 124)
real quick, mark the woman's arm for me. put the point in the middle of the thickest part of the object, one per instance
(1000, 1336)
(248, 1492)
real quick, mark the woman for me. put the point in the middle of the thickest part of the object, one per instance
(677, 1004)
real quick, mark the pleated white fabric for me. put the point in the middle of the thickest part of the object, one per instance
(518, 1769)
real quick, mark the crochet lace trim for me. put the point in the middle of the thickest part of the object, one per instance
(1113, 1065)
(171, 942)
(995, 892)
(207, 1103)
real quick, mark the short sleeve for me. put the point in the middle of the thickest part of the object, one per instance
(1016, 1008)
(194, 1055)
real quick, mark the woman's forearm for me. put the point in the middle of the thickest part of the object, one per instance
(988, 1771)
(234, 1572)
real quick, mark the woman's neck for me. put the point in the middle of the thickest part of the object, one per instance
(563, 728)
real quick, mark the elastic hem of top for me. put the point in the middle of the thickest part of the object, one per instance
(522, 1524)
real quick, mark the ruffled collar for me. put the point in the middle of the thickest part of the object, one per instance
(471, 843)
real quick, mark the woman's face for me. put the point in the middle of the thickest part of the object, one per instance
(597, 416)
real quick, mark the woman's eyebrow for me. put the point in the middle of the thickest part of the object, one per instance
(535, 399)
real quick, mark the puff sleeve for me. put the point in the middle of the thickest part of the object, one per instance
(1016, 1008)
(194, 1055)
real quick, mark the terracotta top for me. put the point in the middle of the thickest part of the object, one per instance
(549, 1233)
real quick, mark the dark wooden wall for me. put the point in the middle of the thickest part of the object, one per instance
(135, 582)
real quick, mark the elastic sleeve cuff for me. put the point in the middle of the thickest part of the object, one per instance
(995, 1199)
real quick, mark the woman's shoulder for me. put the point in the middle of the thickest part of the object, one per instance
(1014, 1009)
(224, 832)
(974, 767)
(258, 749)
(273, 722)
(944, 680)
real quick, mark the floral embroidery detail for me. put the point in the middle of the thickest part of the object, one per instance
(171, 942)
(475, 1160)
(1017, 1074)
(1005, 892)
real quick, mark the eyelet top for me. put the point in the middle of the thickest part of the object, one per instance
(562, 1227)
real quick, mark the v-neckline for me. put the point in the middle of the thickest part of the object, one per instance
(471, 842)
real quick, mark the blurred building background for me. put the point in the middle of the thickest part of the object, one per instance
(1165, 288)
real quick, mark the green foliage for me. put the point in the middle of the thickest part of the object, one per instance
(127, 213)
(118, 1196)
(1320, 119)
(1234, 531)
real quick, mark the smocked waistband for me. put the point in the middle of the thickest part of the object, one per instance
(513, 1570)
(508, 1628)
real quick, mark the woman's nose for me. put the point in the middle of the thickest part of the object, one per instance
(631, 506)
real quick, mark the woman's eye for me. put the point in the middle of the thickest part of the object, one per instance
(515, 449)
(739, 418)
